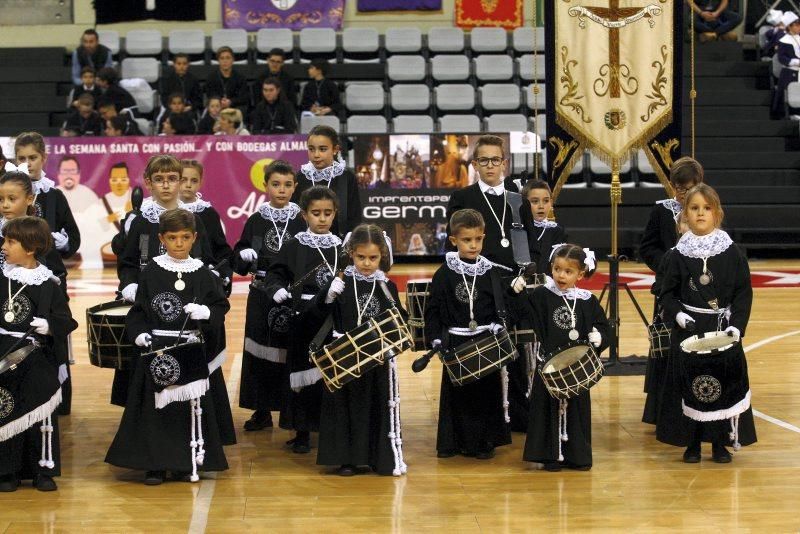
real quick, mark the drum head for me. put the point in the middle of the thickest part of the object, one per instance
(708, 343)
(15, 358)
(114, 308)
(564, 359)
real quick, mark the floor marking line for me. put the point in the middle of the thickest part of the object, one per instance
(202, 505)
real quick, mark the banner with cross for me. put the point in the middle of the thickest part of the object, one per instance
(614, 70)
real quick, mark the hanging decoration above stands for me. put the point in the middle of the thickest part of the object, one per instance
(111, 11)
(503, 13)
(293, 14)
(399, 5)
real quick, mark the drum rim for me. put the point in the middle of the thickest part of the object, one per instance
(107, 306)
(707, 335)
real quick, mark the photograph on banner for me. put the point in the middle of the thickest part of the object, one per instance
(369, 160)
(409, 157)
(451, 164)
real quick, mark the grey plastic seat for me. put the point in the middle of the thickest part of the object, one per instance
(269, 38)
(412, 124)
(307, 122)
(366, 124)
(602, 172)
(410, 97)
(490, 67)
(531, 67)
(360, 41)
(144, 125)
(405, 40)
(364, 97)
(540, 100)
(445, 40)
(526, 40)
(141, 67)
(234, 38)
(317, 41)
(455, 97)
(186, 42)
(460, 124)
(500, 96)
(144, 43)
(406, 68)
(110, 39)
(539, 126)
(506, 122)
(449, 68)
(488, 40)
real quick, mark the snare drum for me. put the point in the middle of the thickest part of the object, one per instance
(569, 371)
(479, 357)
(660, 335)
(522, 334)
(708, 343)
(417, 293)
(108, 344)
(362, 349)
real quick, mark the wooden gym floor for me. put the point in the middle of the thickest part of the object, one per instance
(637, 484)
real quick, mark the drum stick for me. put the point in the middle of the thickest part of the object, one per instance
(19, 342)
(422, 362)
(185, 320)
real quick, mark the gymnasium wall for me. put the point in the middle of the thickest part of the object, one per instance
(68, 35)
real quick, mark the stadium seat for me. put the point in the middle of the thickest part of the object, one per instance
(506, 122)
(236, 39)
(192, 42)
(410, 97)
(493, 68)
(531, 67)
(406, 40)
(318, 43)
(488, 40)
(360, 44)
(366, 124)
(406, 68)
(526, 40)
(500, 97)
(412, 124)
(450, 68)
(539, 127)
(144, 43)
(455, 97)
(110, 39)
(146, 97)
(147, 68)
(445, 40)
(460, 124)
(364, 97)
(307, 122)
(269, 38)
(601, 173)
(647, 175)
(540, 101)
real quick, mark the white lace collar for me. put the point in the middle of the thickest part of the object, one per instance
(378, 275)
(32, 277)
(544, 223)
(574, 293)
(168, 263)
(286, 213)
(311, 239)
(672, 205)
(198, 205)
(152, 210)
(3, 222)
(42, 185)
(327, 174)
(703, 246)
(460, 266)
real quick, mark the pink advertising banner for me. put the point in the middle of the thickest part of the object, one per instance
(98, 174)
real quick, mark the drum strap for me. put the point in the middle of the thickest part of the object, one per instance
(298, 264)
(50, 212)
(519, 235)
(386, 293)
(319, 339)
(499, 300)
(144, 250)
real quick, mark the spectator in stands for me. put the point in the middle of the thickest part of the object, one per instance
(89, 54)
(274, 113)
(179, 124)
(84, 120)
(176, 103)
(715, 20)
(108, 111)
(275, 62)
(180, 80)
(774, 34)
(210, 116)
(87, 85)
(3, 162)
(789, 57)
(231, 123)
(228, 84)
(108, 81)
(320, 95)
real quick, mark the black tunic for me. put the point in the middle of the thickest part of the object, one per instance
(541, 238)
(158, 439)
(51, 205)
(234, 87)
(296, 258)
(323, 93)
(731, 284)
(288, 85)
(276, 118)
(551, 320)
(264, 379)
(356, 420)
(188, 85)
(220, 249)
(471, 417)
(350, 216)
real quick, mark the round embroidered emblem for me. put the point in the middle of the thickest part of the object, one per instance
(706, 388)
(562, 318)
(167, 305)
(462, 295)
(279, 319)
(323, 276)
(165, 370)
(6, 403)
(271, 239)
(21, 309)
(368, 306)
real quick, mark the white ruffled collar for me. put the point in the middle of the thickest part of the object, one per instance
(277, 215)
(479, 268)
(703, 246)
(198, 205)
(378, 275)
(42, 185)
(327, 174)
(168, 263)
(152, 210)
(544, 223)
(32, 277)
(672, 205)
(311, 239)
(574, 293)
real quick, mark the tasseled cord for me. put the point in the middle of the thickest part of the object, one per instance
(562, 426)
(47, 443)
(735, 433)
(531, 350)
(395, 433)
(504, 379)
(197, 442)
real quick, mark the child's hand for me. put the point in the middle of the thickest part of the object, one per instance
(281, 296)
(60, 240)
(518, 284)
(337, 286)
(684, 320)
(248, 254)
(595, 338)
(41, 325)
(197, 312)
(129, 292)
(731, 331)
(144, 340)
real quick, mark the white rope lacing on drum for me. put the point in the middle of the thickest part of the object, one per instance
(562, 426)
(504, 379)
(47, 443)
(196, 444)
(395, 433)
(735, 433)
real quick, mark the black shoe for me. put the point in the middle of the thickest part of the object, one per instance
(575, 467)
(8, 483)
(485, 455)
(692, 454)
(720, 454)
(260, 420)
(553, 467)
(346, 471)
(301, 443)
(44, 483)
(181, 476)
(154, 478)
(446, 454)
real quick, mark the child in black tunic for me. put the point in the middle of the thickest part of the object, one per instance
(563, 313)
(544, 233)
(360, 423)
(29, 394)
(304, 268)
(326, 168)
(473, 418)
(170, 424)
(706, 288)
(660, 235)
(263, 386)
